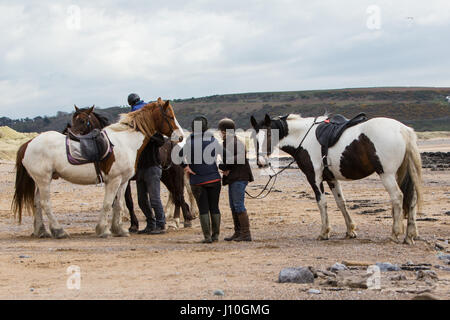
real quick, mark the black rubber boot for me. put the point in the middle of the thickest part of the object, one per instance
(236, 228)
(206, 227)
(148, 229)
(245, 227)
(215, 224)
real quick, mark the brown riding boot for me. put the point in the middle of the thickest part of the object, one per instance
(236, 228)
(244, 234)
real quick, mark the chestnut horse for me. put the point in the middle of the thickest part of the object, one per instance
(44, 157)
(173, 176)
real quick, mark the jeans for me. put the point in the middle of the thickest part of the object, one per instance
(148, 186)
(236, 196)
(207, 197)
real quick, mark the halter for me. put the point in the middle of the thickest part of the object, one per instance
(284, 126)
(166, 117)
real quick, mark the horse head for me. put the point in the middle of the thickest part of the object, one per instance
(263, 140)
(166, 122)
(84, 120)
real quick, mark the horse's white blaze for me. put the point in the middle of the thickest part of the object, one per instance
(262, 154)
(178, 134)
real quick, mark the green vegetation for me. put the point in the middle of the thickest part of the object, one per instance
(425, 109)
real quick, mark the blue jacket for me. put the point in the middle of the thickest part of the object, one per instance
(204, 172)
(138, 105)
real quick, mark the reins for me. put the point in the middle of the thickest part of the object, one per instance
(274, 176)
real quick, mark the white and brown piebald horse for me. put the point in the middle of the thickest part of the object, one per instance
(44, 158)
(380, 145)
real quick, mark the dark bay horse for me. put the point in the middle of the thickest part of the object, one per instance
(85, 120)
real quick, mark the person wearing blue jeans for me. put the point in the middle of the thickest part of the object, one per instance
(236, 174)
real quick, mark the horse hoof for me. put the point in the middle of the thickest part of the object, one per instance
(322, 237)
(409, 241)
(120, 232)
(133, 229)
(104, 235)
(394, 238)
(42, 233)
(187, 225)
(351, 235)
(59, 233)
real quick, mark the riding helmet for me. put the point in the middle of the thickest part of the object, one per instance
(133, 98)
(226, 124)
(204, 123)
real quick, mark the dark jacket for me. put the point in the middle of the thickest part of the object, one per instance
(235, 160)
(204, 172)
(150, 155)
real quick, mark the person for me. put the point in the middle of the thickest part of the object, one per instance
(236, 174)
(204, 177)
(148, 178)
(135, 101)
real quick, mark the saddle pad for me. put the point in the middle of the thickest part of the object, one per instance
(329, 132)
(90, 148)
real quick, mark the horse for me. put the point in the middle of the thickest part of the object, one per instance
(44, 157)
(380, 145)
(86, 119)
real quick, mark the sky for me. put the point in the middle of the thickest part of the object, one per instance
(57, 54)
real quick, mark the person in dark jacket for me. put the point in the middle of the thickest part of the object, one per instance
(236, 174)
(148, 184)
(148, 178)
(204, 177)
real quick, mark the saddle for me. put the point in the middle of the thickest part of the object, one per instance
(93, 147)
(329, 132)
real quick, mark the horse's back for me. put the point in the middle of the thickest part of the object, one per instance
(377, 145)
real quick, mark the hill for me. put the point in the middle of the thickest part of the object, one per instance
(425, 109)
(10, 141)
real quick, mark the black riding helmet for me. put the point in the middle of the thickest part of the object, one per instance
(133, 98)
(226, 124)
(204, 123)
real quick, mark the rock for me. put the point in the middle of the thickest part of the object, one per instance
(314, 291)
(399, 277)
(338, 267)
(445, 257)
(296, 275)
(357, 282)
(24, 257)
(409, 266)
(442, 267)
(425, 296)
(356, 263)
(426, 275)
(386, 266)
(219, 292)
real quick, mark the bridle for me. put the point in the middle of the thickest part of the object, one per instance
(275, 175)
(166, 117)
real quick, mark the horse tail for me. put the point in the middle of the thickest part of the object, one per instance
(24, 187)
(409, 175)
(192, 203)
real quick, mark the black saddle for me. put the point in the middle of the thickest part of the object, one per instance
(89, 148)
(329, 132)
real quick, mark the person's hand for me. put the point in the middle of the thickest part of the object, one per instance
(188, 170)
(225, 173)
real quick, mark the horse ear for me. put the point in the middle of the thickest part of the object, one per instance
(267, 120)
(166, 105)
(76, 108)
(91, 109)
(253, 122)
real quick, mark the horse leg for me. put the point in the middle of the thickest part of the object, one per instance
(134, 227)
(111, 188)
(44, 196)
(176, 215)
(396, 195)
(39, 228)
(411, 229)
(169, 206)
(186, 214)
(322, 204)
(118, 205)
(335, 187)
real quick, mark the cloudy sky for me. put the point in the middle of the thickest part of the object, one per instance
(56, 54)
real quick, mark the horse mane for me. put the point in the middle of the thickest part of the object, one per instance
(139, 120)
